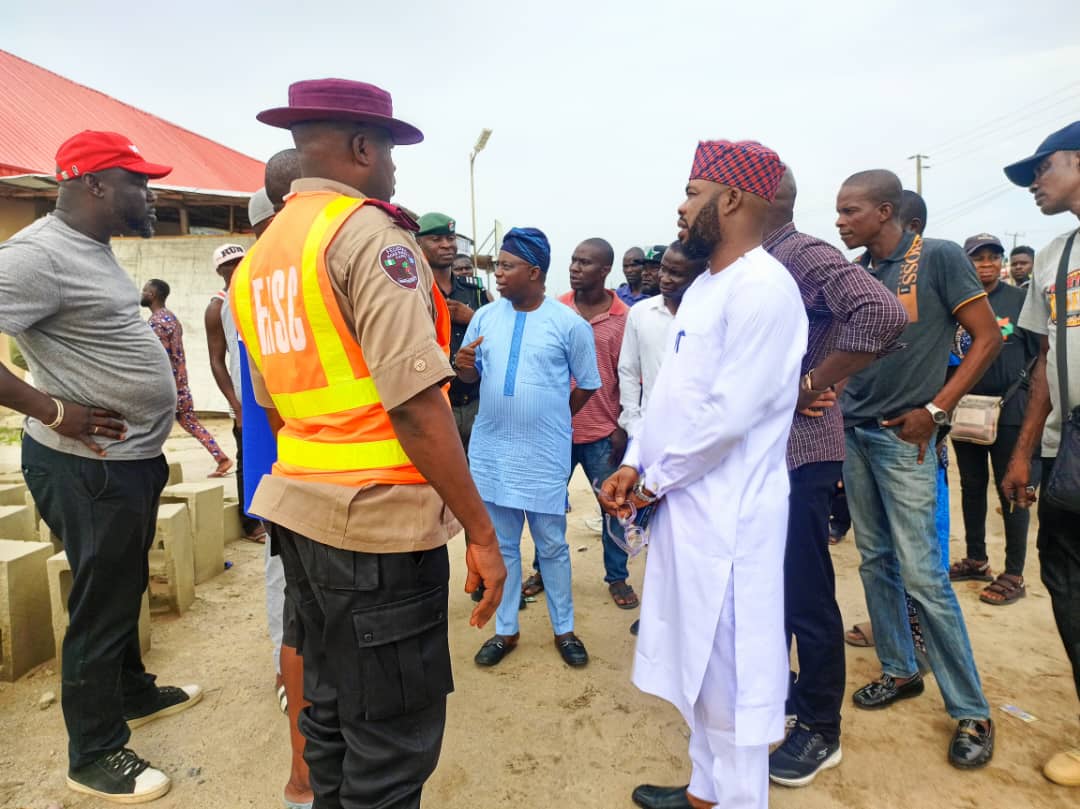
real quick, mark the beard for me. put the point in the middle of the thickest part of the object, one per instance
(704, 234)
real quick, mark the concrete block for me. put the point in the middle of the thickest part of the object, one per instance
(59, 588)
(207, 518)
(12, 494)
(172, 559)
(24, 607)
(176, 473)
(32, 505)
(17, 522)
(234, 529)
(45, 534)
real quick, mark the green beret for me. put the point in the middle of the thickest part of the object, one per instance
(436, 224)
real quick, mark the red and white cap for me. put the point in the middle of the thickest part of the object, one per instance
(91, 151)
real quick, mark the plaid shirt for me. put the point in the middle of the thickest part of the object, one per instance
(849, 310)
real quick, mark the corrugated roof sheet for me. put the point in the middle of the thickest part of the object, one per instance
(39, 110)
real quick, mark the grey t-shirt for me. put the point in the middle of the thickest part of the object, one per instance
(912, 376)
(1040, 316)
(74, 313)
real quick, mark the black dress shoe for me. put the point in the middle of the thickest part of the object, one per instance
(572, 649)
(648, 796)
(634, 627)
(972, 744)
(886, 691)
(494, 650)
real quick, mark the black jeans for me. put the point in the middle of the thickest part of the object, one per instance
(248, 524)
(376, 669)
(105, 513)
(811, 613)
(971, 460)
(1059, 558)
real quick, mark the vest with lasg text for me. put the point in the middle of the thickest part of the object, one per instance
(336, 429)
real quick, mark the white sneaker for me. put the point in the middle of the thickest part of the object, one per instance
(120, 777)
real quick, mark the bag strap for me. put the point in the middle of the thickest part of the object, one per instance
(1062, 311)
(1025, 374)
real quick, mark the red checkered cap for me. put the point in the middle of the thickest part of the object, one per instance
(744, 164)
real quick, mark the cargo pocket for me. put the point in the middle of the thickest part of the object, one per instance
(404, 655)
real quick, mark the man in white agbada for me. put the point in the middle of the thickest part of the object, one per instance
(712, 449)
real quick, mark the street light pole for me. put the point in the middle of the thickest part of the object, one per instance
(481, 142)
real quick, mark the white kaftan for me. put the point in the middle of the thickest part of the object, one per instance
(713, 443)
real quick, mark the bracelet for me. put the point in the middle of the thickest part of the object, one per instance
(59, 414)
(643, 494)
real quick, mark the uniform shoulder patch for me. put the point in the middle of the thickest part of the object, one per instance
(399, 264)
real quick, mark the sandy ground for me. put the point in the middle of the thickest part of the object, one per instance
(534, 732)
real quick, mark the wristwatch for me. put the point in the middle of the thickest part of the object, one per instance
(643, 494)
(940, 417)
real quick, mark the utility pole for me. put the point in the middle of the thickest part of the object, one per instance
(1015, 237)
(919, 166)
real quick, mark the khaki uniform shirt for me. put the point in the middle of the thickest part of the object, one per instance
(395, 327)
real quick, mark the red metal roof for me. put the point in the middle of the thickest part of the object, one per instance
(39, 110)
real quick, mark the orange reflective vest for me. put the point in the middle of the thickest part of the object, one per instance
(336, 429)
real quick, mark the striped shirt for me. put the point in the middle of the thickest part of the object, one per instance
(599, 418)
(849, 310)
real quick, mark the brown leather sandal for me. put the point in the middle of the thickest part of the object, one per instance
(1005, 589)
(534, 585)
(970, 570)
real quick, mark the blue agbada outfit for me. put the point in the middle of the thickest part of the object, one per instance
(519, 453)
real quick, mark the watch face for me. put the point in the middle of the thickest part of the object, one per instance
(940, 417)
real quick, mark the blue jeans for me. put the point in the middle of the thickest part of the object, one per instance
(549, 534)
(893, 502)
(594, 460)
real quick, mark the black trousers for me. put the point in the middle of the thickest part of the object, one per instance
(249, 524)
(1059, 558)
(811, 614)
(105, 513)
(376, 669)
(971, 460)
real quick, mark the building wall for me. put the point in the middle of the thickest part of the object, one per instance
(15, 214)
(183, 262)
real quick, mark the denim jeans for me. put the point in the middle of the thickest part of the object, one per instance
(105, 513)
(553, 555)
(892, 500)
(593, 458)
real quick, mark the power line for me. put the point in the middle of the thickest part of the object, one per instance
(946, 144)
(974, 206)
(982, 139)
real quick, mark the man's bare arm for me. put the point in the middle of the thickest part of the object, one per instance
(218, 347)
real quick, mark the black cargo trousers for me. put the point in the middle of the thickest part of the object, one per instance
(376, 668)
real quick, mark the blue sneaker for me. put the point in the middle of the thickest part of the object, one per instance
(803, 754)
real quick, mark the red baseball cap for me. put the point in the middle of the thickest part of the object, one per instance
(91, 151)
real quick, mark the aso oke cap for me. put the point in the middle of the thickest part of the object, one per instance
(436, 224)
(973, 243)
(341, 100)
(91, 151)
(744, 164)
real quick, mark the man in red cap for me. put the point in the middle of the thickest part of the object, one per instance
(91, 452)
(711, 450)
(348, 343)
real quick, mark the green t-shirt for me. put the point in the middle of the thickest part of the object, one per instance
(912, 376)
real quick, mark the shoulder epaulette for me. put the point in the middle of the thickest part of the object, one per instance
(398, 215)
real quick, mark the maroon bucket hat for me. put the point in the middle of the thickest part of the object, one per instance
(341, 100)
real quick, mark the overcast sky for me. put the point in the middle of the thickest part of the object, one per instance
(596, 106)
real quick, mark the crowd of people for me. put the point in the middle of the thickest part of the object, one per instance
(718, 399)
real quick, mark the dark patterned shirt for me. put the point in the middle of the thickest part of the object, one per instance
(848, 310)
(168, 329)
